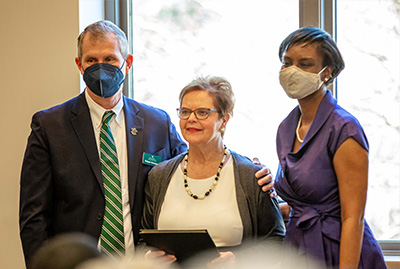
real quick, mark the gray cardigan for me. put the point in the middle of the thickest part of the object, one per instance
(260, 214)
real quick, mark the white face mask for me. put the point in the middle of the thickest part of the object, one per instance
(298, 83)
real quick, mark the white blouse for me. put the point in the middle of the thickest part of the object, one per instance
(218, 212)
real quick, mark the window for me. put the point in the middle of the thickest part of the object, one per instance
(175, 40)
(368, 35)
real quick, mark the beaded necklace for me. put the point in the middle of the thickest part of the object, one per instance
(215, 182)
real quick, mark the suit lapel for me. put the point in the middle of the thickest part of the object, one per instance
(134, 136)
(82, 124)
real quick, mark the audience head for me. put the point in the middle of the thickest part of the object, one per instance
(136, 261)
(65, 251)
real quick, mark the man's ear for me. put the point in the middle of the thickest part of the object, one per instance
(79, 65)
(129, 62)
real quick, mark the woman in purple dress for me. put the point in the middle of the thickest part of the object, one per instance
(323, 159)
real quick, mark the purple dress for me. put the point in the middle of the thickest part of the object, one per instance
(306, 180)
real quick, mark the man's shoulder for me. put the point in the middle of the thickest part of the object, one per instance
(143, 109)
(67, 105)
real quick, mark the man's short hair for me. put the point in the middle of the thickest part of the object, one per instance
(99, 30)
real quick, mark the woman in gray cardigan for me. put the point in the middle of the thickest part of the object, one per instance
(198, 190)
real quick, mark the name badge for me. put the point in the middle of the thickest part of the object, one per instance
(150, 159)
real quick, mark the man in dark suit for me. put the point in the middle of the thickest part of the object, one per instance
(61, 179)
(62, 187)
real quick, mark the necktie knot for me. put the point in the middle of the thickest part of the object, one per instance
(107, 116)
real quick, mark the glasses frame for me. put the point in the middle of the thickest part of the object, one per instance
(195, 112)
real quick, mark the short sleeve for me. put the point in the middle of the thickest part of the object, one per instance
(349, 128)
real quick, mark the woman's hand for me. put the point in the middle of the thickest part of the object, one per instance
(225, 260)
(285, 211)
(162, 259)
(265, 180)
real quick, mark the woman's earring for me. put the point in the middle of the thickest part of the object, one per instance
(222, 130)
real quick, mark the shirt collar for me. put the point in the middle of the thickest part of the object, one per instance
(97, 111)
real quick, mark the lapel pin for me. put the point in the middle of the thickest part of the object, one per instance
(134, 131)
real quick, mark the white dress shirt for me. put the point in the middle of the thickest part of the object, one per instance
(117, 125)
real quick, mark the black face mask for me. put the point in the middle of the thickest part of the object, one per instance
(103, 79)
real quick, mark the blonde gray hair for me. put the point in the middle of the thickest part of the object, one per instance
(218, 87)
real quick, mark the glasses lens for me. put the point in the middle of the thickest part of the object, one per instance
(184, 113)
(202, 114)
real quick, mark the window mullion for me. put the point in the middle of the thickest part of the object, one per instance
(321, 14)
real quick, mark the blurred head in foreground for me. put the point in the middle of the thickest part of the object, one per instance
(65, 251)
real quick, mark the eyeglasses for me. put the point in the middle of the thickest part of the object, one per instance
(200, 113)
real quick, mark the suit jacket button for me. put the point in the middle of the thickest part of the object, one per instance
(99, 216)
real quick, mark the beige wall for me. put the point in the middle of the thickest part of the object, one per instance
(37, 70)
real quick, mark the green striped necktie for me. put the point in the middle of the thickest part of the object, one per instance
(112, 232)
